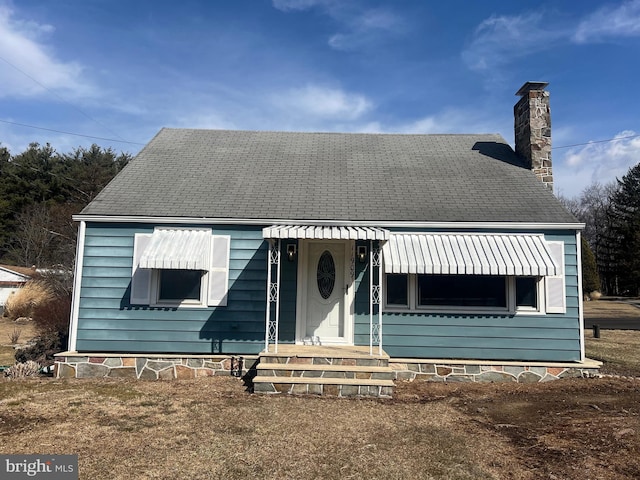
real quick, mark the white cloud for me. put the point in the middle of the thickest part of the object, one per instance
(620, 21)
(361, 26)
(500, 39)
(364, 29)
(597, 162)
(23, 50)
(323, 103)
(289, 5)
(453, 120)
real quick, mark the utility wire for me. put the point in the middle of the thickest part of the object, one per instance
(595, 141)
(70, 133)
(61, 98)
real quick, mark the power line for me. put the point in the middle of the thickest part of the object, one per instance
(61, 98)
(595, 141)
(70, 133)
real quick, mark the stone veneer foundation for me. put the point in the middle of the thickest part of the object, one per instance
(477, 371)
(150, 367)
(170, 367)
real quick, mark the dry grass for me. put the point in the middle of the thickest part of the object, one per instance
(25, 300)
(618, 349)
(7, 327)
(211, 428)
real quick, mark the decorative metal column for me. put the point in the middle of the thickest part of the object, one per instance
(375, 297)
(273, 294)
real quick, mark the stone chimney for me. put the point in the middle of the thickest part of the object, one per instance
(532, 124)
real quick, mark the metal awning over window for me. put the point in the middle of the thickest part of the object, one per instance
(469, 254)
(178, 249)
(325, 232)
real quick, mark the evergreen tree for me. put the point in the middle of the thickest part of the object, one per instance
(590, 278)
(625, 232)
(39, 192)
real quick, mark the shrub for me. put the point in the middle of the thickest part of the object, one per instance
(43, 349)
(53, 315)
(14, 336)
(51, 319)
(25, 369)
(24, 301)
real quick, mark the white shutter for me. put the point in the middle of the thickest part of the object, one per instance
(219, 271)
(140, 277)
(555, 285)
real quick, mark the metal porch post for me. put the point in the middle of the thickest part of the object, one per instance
(375, 283)
(273, 295)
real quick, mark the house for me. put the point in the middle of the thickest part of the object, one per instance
(441, 256)
(11, 280)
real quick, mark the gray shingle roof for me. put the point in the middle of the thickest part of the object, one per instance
(329, 176)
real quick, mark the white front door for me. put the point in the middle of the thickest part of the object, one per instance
(324, 311)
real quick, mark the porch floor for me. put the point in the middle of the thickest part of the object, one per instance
(315, 351)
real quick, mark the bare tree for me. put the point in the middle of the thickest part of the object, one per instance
(33, 240)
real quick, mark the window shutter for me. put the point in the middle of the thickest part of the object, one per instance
(140, 277)
(556, 296)
(219, 271)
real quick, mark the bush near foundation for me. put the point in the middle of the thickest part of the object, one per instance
(51, 319)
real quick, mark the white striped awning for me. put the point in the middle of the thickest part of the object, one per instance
(469, 254)
(325, 232)
(178, 249)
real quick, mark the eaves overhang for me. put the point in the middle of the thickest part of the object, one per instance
(339, 223)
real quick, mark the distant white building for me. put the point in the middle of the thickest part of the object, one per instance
(11, 280)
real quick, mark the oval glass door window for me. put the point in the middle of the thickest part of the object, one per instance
(326, 274)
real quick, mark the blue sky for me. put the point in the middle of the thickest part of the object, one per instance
(121, 70)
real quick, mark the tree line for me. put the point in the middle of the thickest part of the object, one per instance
(611, 251)
(40, 190)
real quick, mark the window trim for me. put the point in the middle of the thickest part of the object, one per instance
(510, 309)
(463, 308)
(155, 300)
(214, 289)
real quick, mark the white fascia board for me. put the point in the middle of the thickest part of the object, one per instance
(77, 285)
(338, 223)
(580, 296)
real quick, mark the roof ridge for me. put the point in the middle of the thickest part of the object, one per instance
(298, 132)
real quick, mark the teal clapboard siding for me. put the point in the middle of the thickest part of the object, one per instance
(107, 322)
(551, 337)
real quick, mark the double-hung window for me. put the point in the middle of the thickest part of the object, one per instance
(180, 267)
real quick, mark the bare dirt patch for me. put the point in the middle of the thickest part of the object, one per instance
(212, 428)
(569, 429)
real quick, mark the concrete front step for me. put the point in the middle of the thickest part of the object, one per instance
(324, 371)
(344, 371)
(325, 361)
(340, 387)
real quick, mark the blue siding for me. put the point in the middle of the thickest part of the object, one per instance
(109, 323)
(551, 337)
